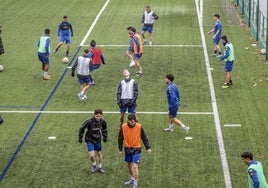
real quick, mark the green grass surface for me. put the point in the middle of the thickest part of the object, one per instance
(174, 162)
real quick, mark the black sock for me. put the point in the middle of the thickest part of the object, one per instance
(215, 51)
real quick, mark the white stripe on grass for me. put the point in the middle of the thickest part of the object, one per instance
(226, 172)
(157, 45)
(105, 112)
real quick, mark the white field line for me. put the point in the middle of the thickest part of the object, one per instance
(105, 112)
(94, 23)
(226, 172)
(157, 45)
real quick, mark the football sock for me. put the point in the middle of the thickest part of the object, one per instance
(94, 163)
(170, 126)
(100, 165)
(183, 126)
(45, 74)
(219, 53)
(215, 51)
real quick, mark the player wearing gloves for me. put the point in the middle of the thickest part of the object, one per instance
(127, 94)
(96, 130)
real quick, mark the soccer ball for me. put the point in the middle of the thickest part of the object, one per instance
(263, 51)
(1, 68)
(65, 60)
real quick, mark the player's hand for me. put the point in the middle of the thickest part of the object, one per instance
(120, 152)
(105, 139)
(72, 74)
(149, 151)
(80, 141)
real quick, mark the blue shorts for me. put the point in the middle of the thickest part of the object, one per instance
(94, 147)
(132, 158)
(131, 110)
(147, 28)
(84, 81)
(67, 39)
(216, 41)
(44, 58)
(172, 111)
(137, 56)
(94, 67)
(229, 66)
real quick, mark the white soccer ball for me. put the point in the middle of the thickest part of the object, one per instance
(65, 60)
(263, 51)
(1, 68)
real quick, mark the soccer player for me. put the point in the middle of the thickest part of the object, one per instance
(96, 129)
(216, 35)
(131, 134)
(147, 23)
(173, 98)
(43, 53)
(65, 30)
(136, 47)
(2, 51)
(229, 58)
(256, 178)
(129, 52)
(83, 65)
(96, 56)
(127, 94)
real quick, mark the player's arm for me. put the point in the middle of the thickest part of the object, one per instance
(254, 176)
(71, 29)
(104, 131)
(82, 131)
(226, 54)
(211, 31)
(155, 16)
(142, 19)
(145, 139)
(74, 67)
(47, 46)
(135, 92)
(118, 95)
(102, 59)
(120, 140)
(59, 29)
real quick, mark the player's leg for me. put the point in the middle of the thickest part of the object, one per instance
(228, 75)
(143, 32)
(59, 45)
(135, 168)
(130, 56)
(82, 83)
(137, 62)
(98, 149)
(68, 47)
(122, 114)
(90, 148)
(170, 122)
(150, 31)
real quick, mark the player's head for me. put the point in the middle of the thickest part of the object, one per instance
(132, 120)
(47, 31)
(148, 8)
(247, 156)
(126, 73)
(169, 78)
(128, 28)
(224, 39)
(64, 17)
(216, 16)
(132, 31)
(98, 114)
(93, 43)
(86, 51)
